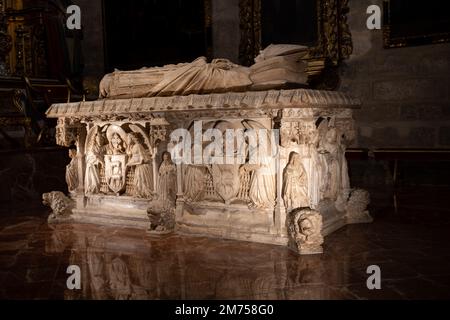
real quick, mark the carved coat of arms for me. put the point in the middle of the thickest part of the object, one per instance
(226, 181)
(115, 172)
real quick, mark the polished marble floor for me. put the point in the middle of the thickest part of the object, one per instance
(411, 246)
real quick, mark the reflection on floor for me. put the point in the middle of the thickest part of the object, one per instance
(411, 248)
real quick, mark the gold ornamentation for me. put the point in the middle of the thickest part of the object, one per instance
(390, 41)
(334, 37)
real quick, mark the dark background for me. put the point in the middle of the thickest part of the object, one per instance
(153, 32)
(417, 19)
(292, 22)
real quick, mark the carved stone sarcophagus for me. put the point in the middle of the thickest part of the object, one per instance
(265, 166)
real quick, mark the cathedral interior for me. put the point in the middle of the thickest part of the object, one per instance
(375, 74)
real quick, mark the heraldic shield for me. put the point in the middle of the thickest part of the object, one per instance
(115, 172)
(226, 181)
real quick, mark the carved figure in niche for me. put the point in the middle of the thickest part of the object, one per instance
(195, 180)
(305, 231)
(141, 160)
(167, 180)
(317, 169)
(333, 152)
(72, 171)
(225, 176)
(295, 182)
(94, 159)
(161, 212)
(262, 183)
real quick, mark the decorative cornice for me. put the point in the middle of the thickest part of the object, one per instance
(273, 99)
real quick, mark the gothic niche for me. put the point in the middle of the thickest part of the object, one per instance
(295, 187)
(119, 161)
(249, 182)
(161, 211)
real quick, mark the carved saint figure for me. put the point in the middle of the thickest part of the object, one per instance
(295, 182)
(72, 171)
(141, 160)
(317, 169)
(261, 164)
(94, 159)
(262, 183)
(331, 149)
(167, 180)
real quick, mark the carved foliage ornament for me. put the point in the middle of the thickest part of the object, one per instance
(68, 131)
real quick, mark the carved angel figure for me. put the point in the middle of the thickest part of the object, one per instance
(94, 159)
(295, 182)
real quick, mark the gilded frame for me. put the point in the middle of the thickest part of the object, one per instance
(390, 41)
(334, 38)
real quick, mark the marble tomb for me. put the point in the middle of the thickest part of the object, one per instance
(163, 161)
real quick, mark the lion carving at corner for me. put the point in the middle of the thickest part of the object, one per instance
(60, 204)
(305, 231)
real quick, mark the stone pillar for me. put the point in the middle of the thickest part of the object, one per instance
(180, 195)
(280, 210)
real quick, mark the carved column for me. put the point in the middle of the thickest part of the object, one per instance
(81, 158)
(280, 210)
(180, 195)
